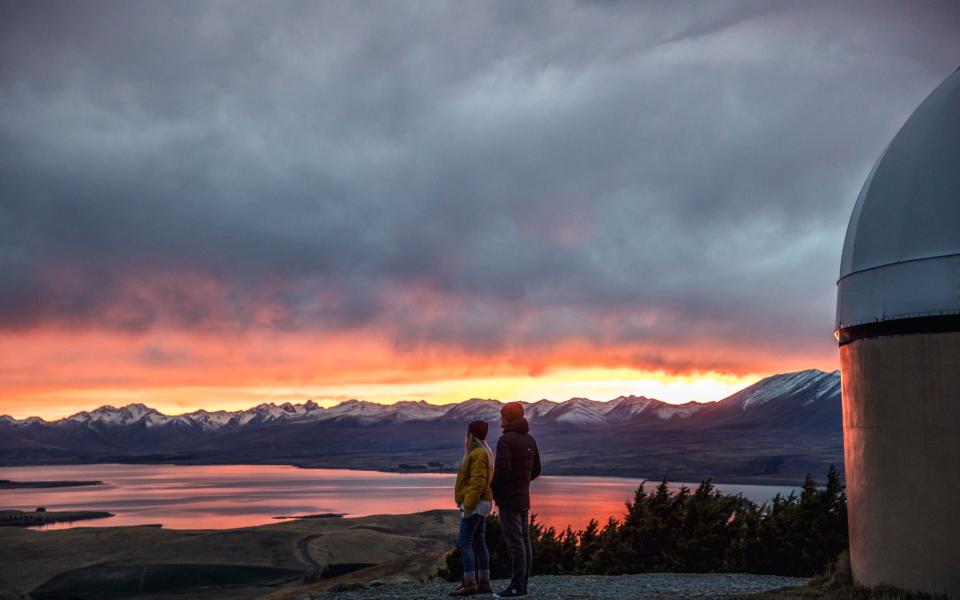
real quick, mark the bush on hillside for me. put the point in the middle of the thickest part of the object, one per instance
(697, 531)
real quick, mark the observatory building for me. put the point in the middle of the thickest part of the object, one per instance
(898, 324)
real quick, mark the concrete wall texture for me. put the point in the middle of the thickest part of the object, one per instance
(901, 422)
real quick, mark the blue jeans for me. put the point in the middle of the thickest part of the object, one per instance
(473, 545)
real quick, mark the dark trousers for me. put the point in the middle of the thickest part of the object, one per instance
(516, 532)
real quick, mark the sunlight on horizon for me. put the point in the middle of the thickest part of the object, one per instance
(597, 384)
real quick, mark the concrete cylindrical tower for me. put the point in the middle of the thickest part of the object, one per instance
(898, 324)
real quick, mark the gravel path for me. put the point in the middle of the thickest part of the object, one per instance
(589, 587)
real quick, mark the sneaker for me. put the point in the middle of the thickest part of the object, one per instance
(464, 589)
(511, 592)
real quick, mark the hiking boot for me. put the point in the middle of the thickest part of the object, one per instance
(466, 588)
(511, 592)
(483, 586)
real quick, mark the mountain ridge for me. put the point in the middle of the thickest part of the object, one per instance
(584, 410)
(775, 430)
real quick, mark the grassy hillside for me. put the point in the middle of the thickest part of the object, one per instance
(118, 562)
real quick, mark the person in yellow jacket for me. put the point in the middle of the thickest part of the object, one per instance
(475, 499)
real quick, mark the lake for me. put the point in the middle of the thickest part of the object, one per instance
(228, 496)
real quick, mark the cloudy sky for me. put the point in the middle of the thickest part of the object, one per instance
(221, 203)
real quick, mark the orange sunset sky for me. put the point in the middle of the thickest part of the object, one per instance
(54, 373)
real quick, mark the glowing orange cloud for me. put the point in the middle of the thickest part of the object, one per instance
(53, 372)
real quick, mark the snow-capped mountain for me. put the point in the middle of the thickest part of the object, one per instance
(125, 415)
(783, 426)
(534, 410)
(792, 400)
(372, 412)
(579, 412)
(629, 408)
(813, 383)
(209, 420)
(419, 410)
(802, 388)
(474, 409)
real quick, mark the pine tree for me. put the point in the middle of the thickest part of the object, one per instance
(799, 534)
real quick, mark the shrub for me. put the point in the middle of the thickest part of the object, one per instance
(700, 531)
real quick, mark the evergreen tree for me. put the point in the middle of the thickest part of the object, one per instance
(704, 531)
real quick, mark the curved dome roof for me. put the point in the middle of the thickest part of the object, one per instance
(901, 256)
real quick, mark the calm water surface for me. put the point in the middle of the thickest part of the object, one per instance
(227, 496)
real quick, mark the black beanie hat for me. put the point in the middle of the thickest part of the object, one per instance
(511, 411)
(478, 429)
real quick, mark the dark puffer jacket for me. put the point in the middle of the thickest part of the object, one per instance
(517, 464)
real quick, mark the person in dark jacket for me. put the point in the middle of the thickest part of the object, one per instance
(516, 465)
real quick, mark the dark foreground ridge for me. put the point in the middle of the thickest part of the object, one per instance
(582, 587)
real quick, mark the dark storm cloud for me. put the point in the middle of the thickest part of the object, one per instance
(613, 172)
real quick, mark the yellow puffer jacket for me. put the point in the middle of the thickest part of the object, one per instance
(473, 480)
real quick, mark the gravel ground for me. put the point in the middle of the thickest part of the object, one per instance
(587, 587)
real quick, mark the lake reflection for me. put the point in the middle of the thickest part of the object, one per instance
(227, 496)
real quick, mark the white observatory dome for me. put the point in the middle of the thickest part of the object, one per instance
(901, 256)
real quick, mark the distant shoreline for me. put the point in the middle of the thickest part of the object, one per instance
(759, 480)
(6, 484)
(21, 518)
(315, 516)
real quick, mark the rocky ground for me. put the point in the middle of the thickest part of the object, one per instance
(586, 587)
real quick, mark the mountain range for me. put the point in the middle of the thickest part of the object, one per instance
(775, 430)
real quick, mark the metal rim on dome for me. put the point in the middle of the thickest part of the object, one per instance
(910, 326)
(900, 267)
